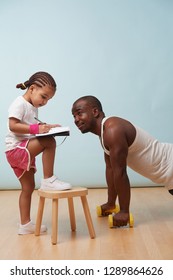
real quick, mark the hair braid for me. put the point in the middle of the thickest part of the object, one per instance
(40, 79)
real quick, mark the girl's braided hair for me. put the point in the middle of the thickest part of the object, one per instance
(40, 79)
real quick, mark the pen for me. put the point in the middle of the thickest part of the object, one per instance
(38, 120)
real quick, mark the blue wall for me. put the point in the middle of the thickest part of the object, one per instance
(117, 50)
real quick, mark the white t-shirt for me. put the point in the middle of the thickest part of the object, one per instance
(26, 113)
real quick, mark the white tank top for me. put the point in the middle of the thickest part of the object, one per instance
(148, 157)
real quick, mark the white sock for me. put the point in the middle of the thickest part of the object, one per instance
(48, 179)
(26, 224)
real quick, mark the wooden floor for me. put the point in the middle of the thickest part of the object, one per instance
(150, 239)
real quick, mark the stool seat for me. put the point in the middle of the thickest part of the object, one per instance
(55, 196)
(63, 194)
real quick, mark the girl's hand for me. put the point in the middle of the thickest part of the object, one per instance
(45, 128)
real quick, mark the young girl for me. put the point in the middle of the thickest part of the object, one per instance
(22, 146)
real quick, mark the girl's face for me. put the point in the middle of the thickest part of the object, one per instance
(39, 96)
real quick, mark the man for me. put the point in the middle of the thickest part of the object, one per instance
(124, 145)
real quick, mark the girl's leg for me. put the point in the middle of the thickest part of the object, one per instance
(47, 146)
(28, 184)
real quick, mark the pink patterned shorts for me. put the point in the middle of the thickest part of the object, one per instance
(20, 160)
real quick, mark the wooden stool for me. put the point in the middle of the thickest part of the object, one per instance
(69, 194)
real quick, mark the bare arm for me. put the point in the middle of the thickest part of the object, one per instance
(18, 127)
(112, 194)
(121, 180)
(115, 140)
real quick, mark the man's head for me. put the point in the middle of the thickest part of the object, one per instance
(87, 111)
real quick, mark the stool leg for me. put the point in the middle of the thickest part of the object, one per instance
(71, 213)
(88, 216)
(39, 216)
(54, 220)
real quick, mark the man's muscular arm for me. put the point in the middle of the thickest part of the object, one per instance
(115, 141)
(112, 194)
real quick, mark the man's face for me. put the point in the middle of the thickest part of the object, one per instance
(83, 116)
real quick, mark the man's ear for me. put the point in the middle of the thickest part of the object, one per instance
(96, 112)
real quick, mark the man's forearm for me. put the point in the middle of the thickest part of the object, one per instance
(112, 194)
(123, 192)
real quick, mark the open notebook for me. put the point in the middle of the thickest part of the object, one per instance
(56, 131)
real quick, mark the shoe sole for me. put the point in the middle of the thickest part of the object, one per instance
(53, 189)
